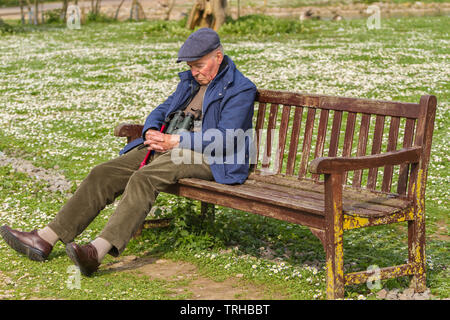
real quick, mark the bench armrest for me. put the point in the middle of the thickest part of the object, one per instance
(130, 130)
(341, 164)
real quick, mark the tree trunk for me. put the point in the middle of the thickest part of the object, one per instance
(219, 13)
(64, 10)
(22, 13)
(207, 13)
(29, 12)
(133, 9)
(83, 12)
(141, 13)
(36, 12)
(42, 12)
(98, 5)
(136, 11)
(116, 16)
(169, 9)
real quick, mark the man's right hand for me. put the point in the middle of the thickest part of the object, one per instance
(160, 142)
(148, 137)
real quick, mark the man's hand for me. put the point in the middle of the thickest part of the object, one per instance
(160, 142)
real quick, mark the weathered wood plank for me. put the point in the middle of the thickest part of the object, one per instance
(404, 168)
(355, 221)
(258, 129)
(362, 146)
(271, 127)
(340, 164)
(360, 207)
(335, 134)
(309, 126)
(321, 135)
(384, 273)
(356, 105)
(349, 192)
(376, 148)
(293, 145)
(282, 138)
(348, 139)
(129, 130)
(392, 145)
(246, 192)
(253, 205)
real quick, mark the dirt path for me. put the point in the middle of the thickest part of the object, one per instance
(56, 181)
(155, 9)
(190, 281)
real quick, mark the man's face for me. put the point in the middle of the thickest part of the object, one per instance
(206, 68)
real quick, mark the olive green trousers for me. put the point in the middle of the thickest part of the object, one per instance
(139, 187)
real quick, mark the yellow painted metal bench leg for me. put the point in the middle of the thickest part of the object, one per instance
(416, 238)
(334, 236)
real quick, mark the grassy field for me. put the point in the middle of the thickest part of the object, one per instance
(62, 92)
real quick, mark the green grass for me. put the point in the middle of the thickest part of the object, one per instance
(63, 91)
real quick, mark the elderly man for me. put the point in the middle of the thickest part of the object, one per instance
(219, 96)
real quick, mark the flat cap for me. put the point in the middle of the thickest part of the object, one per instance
(198, 44)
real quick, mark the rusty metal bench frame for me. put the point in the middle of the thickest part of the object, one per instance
(330, 206)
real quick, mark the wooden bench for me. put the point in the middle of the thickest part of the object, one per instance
(374, 173)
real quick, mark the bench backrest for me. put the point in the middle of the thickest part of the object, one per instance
(306, 127)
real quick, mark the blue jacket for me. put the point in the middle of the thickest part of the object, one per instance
(227, 106)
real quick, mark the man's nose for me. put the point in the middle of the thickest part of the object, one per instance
(194, 72)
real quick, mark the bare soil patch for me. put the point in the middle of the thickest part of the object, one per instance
(187, 280)
(442, 232)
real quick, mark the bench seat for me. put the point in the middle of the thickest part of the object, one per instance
(301, 202)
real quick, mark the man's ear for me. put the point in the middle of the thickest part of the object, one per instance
(219, 56)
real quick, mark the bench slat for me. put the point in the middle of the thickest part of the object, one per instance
(270, 127)
(404, 169)
(376, 148)
(321, 135)
(335, 133)
(259, 125)
(247, 192)
(249, 205)
(350, 205)
(293, 144)
(307, 142)
(348, 139)
(297, 199)
(356, 105)
(389, 108)
(392, 145)
(362, 146)
(284, 125)
(308, 185)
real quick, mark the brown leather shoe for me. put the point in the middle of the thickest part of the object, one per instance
(85, 257)
(27, 243)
